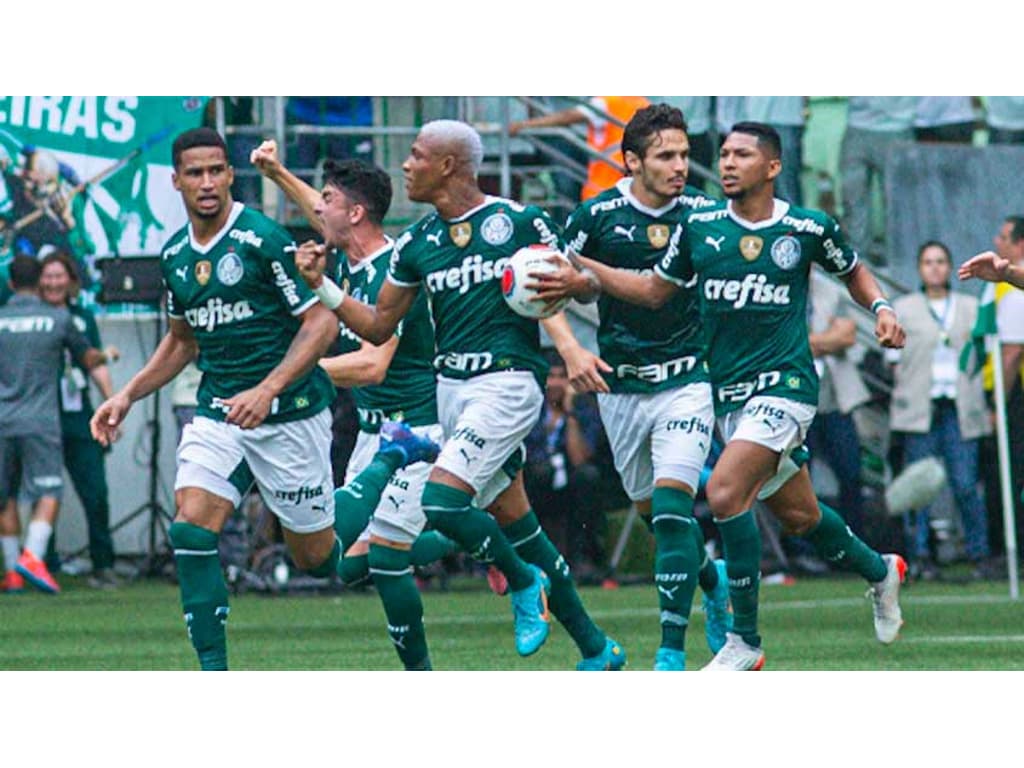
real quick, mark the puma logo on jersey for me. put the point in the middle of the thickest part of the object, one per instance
(435, 239)
(716, 244)
(182, 273)
(625, 232)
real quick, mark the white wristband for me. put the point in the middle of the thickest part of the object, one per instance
(879, 305)
(330, 294)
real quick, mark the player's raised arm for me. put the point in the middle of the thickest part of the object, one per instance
(266, 160)
(865, 291)
(175, 351)
(993, 268)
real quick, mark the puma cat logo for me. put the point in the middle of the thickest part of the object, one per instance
(625, 232)
(435, 239)
(716, 244)
(182, 273)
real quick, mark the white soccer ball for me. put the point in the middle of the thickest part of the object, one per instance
(516, 274)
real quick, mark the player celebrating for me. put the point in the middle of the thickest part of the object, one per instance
(394, 381)
(659, 414)
(751, 257)
(490, 375)
(235, 296)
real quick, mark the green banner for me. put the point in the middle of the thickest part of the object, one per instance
(90, 175)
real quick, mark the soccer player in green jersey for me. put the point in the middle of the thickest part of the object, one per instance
(235, 297)
(751, 258)
(659, 413)
(490, 375)
(393, 381)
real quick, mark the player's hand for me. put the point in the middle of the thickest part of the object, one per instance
(552, 287)
(248, 409)
(986, 266)
(265, 158)
(106, 421)
(112, 353)
(888, 330)
(584, 370)
(311, 261)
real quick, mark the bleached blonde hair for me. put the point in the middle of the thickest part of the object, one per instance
(459, 138)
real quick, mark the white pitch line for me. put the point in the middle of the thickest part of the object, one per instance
(953, 639)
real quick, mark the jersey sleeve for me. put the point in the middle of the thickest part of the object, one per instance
(537, 226)
(402, 270)
(92, 330)
(676, 265)
(578, 234)
(279, 251)
(836, 256)
(74, 339)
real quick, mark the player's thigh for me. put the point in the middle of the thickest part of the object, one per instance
(212, 474)
(681, 438)
(42, 466)
(399, 515)
(291, 464)
(628, 421)
(485, 423)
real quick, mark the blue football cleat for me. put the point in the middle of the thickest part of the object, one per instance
(398, 437)
(669, 660)
(530, 614)
(611, 659)
(717, 613)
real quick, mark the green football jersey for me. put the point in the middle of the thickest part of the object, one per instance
(459, 264)
(242, 296)
(752, 279)
(649, 350)
(75, 403)
(409, 390)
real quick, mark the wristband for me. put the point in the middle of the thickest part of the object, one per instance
(879, 305)
(329, 293)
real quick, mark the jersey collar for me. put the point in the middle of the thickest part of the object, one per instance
(236, 211)
(781, 208)
(358, 266)
(625, 186)
(488, 200)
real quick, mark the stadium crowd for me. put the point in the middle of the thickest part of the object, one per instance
(373, 385)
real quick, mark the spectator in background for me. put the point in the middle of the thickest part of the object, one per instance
(33, 336)
(560, 473)
(239, 111)
(83, 457)
(940, 409)
(944, 119)
(787, 115)
(1005, 118)
(311, 148)
(873, 125)
(604, 135)
(833, 434)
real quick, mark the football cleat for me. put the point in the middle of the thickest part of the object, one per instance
(736, 656)
(611, 659)
(13, 583)
(530, 614)
(36, 573)
(717, 612)
(496, 581)
(885, 595)
(669, 660)
(398, 437)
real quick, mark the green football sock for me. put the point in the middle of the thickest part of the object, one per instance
(707, 576)
(835, 542)
(451, 511)
(675, 563)
(354, 570)
(328, 566)
(392, 576)
(354, 503)
(204, 595)
(429, 547)
(536, 548)
(741, 542)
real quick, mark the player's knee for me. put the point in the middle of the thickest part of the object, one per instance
(724, 498)
(440, 502)
(186, 536)
(354, 570)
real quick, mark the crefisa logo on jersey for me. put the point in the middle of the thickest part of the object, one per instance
(497, 229)
(203, 271)
(229, 268)
(786, 252)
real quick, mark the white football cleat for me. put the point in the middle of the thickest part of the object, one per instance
(886, 597)
(736, 656)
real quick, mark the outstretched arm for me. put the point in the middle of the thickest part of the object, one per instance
(366, 366)
(265, 158)
(993, 268)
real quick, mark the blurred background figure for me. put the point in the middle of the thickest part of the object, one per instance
(940, 409)
(945, 119)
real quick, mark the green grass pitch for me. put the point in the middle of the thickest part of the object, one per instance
(819, 624)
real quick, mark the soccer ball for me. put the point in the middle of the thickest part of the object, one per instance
(516, 274)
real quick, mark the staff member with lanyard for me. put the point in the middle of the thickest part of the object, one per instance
(83, 457)
(940, 408)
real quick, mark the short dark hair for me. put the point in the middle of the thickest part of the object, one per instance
(1016, 227)
(646, 123)
(196, 137)
(365, 183)
(25, 271)
(767, 137)
(935, 244)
